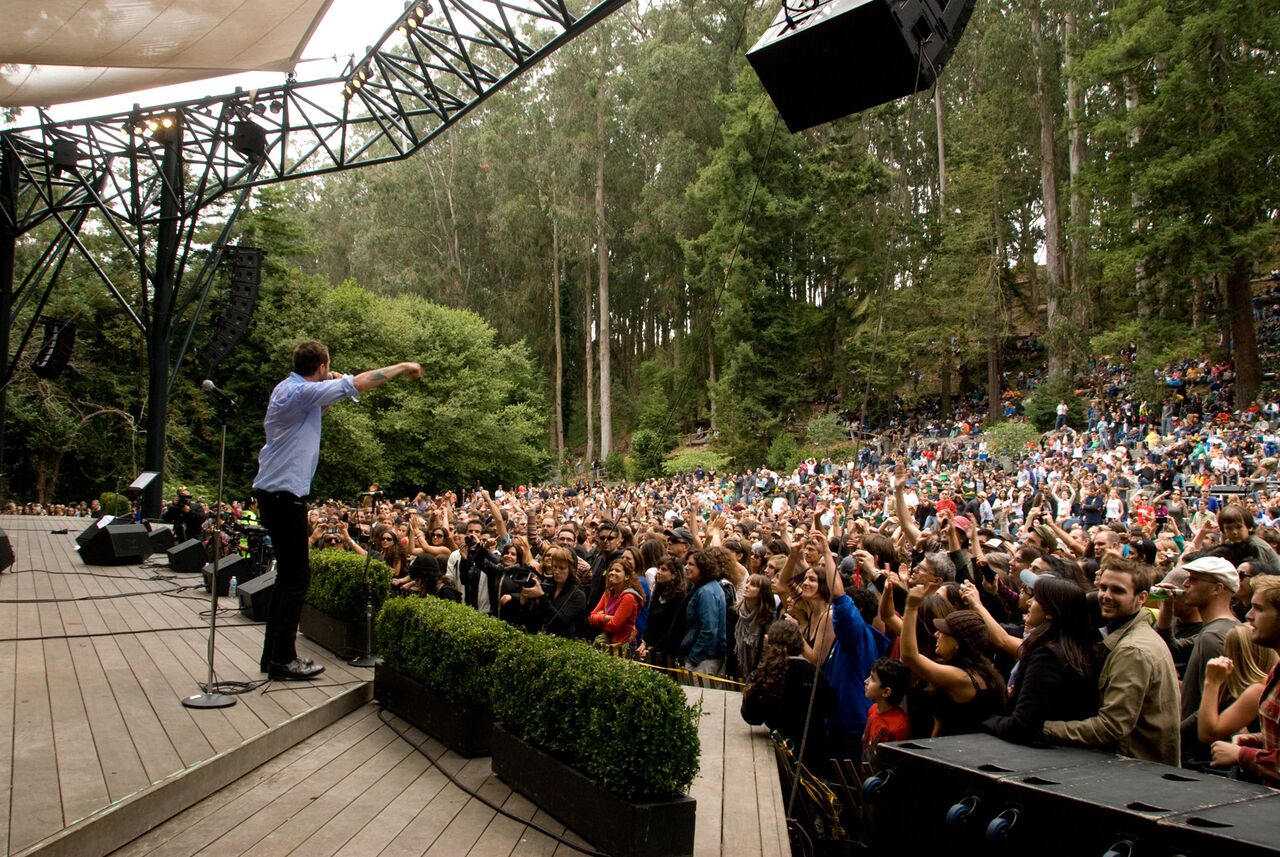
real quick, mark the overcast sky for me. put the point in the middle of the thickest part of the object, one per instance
(348, 28)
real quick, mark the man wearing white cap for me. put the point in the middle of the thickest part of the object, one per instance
(1211, 582)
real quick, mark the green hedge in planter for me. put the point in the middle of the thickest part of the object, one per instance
(630, 729)
(337, 584)
(447, 647)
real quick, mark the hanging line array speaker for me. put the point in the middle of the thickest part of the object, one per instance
(55, 350)
(233, 324)
(824, 59)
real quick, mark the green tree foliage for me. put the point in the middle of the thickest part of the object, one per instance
(784, 452)
(1041, 407)
(1010, 439)
(825, 430)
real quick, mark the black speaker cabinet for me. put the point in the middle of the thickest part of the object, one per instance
(255, 596)
(837, 57)
(1115, 808)
(941, 793)
(1245, 829)
(235, 566)
(188, 557)
(6, 551)
(161, 538)
(106, 542)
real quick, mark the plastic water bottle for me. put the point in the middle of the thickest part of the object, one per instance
(231, 587)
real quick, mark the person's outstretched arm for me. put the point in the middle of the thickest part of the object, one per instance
(366, 381)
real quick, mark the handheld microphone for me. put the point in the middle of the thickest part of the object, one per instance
(209, 387)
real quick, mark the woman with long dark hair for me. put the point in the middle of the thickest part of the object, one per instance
(967, 688)
(755, 611)
(779, 690)
(660, 644)
(1056, 677)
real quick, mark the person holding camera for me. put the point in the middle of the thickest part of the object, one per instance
(517, 573)
(185, 515)
(554, 603)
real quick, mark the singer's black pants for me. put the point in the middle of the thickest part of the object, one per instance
(285, 517)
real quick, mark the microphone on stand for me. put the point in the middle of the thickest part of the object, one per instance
(209, 387)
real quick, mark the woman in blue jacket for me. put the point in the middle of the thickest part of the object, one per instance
(705, 638)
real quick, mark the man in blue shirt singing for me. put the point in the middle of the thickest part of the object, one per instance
(286, 466)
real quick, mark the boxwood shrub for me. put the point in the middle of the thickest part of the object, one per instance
(337, 584)
(631, 730)
(447, 647)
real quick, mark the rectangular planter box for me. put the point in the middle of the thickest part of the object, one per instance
(344, 639)
(464, 729)
(611, 824)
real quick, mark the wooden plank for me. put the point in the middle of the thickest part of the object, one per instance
(333, 815)
(708, 787)
(430, 827)
(774, 840)
(740, 816)
(209, 820)
(82, 786)
(35, 808)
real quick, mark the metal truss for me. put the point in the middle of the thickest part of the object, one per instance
(149, 173)
(416, 83)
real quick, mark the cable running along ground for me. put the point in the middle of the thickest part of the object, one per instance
(404, 735)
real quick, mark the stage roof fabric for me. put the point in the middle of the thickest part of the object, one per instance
(55, 51)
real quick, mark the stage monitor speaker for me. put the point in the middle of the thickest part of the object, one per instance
(255, 596)
(824, 59)
(239, 567)
(188, 557)
(161, 538)
(107, 542)
(6, 551)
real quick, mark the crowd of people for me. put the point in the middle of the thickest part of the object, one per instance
(1114, 586)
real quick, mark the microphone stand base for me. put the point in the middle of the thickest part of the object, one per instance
(365, 661)
(209, 700)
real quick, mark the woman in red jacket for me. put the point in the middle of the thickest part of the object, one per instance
(615, 616)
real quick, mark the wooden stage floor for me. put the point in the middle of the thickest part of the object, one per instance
(92, 728)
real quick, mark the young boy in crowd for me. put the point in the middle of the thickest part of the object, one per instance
(886, 685)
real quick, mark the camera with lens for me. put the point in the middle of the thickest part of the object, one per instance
(522, 577)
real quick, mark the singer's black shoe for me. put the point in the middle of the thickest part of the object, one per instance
(295, 670)
(264, 666)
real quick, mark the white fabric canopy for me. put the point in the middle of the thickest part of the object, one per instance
(55, 51)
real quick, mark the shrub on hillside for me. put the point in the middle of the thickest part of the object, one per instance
(689, 460)
(1009, 439)
(784, 453)
(1041, 406)
(825, 430)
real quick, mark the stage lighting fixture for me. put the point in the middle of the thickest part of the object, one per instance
(276, 106)
(160, 126)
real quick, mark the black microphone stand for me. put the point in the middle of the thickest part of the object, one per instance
(211, 698)
(368, 659)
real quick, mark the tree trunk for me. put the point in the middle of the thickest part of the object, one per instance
(1083, 305)
(1049, 195)
(942, 151)
(558, 441)
(1244, 334)
(602, 255)
(588, 299)
(945, 378)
